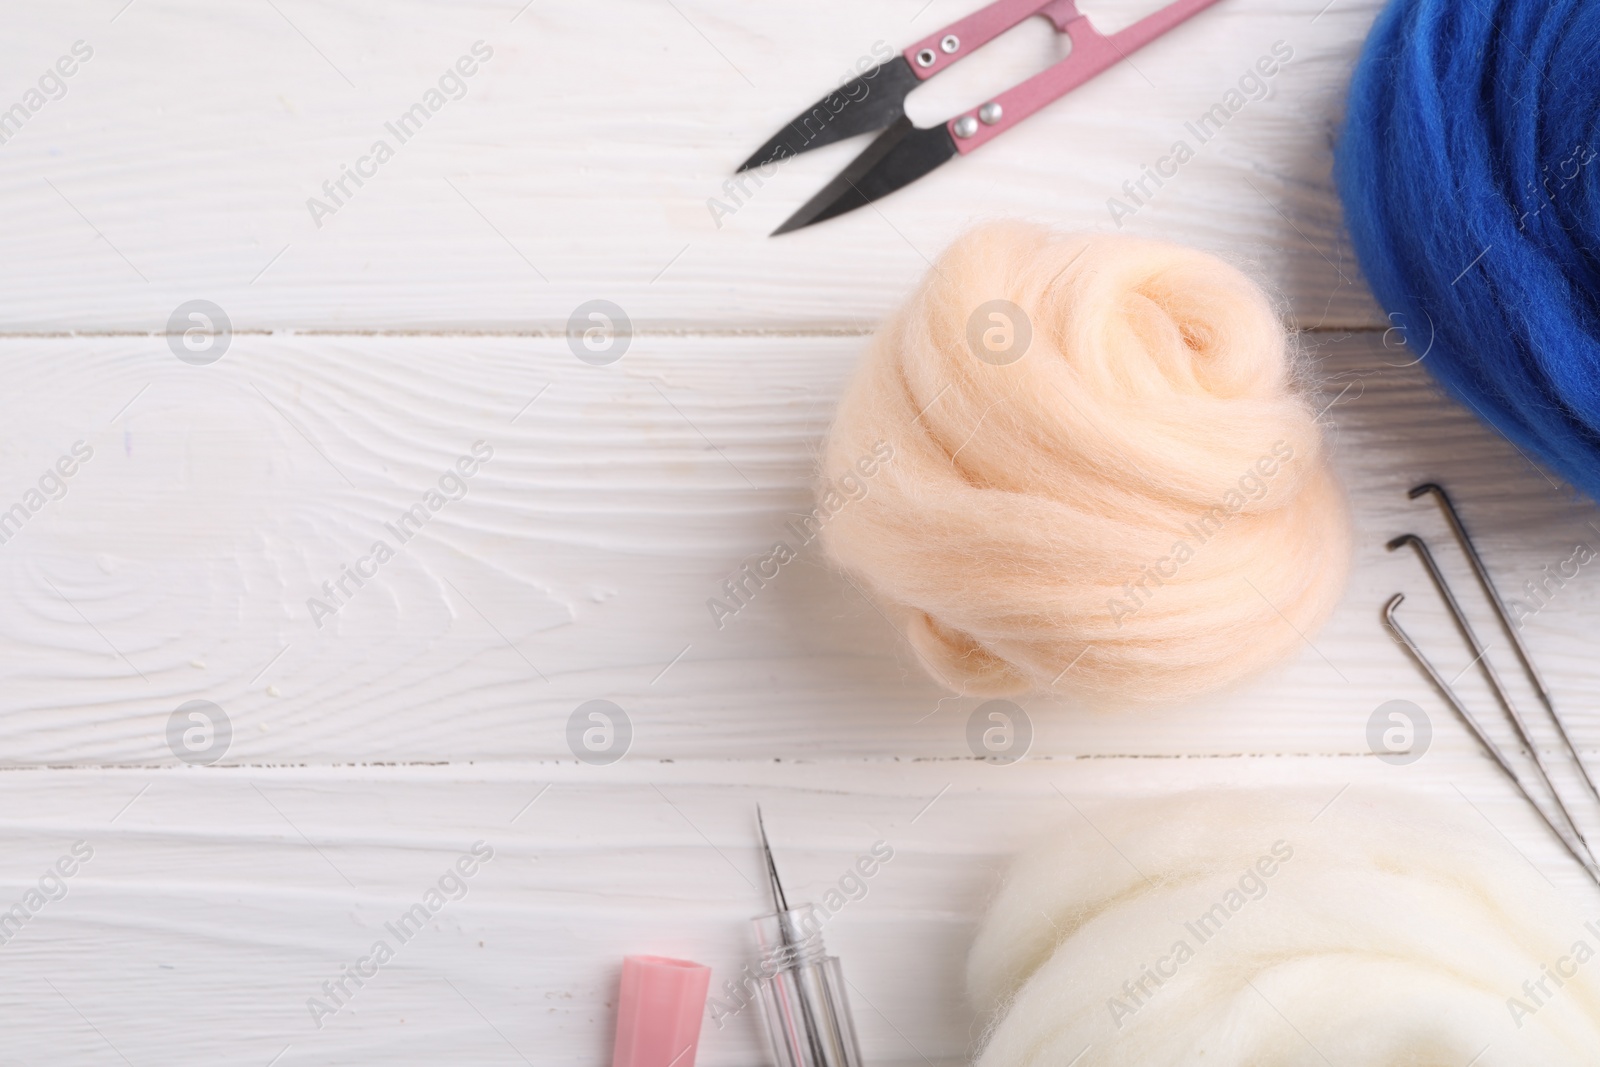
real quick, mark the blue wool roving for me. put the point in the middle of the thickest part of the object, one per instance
(1469, 167)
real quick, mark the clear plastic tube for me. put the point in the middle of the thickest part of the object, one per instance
(803, 999)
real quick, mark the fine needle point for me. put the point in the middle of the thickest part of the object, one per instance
(779, 901)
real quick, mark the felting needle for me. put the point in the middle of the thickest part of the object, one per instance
(1481, 658)
(1506, 623)
(779, 901)
(1471, 723)
(809, 1032)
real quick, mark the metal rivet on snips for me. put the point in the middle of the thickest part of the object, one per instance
(904, 152)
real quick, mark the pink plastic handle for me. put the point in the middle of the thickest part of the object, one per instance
(929, 56)
(1093, 53)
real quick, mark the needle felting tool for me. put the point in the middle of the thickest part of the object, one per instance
(803, 999)
(1507, 623)
(904, 152)
(1576, 844)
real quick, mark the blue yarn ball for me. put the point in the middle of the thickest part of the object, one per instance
(1469, 167)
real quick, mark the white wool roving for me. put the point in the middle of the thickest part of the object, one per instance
(1245, 929)
(1103, 458)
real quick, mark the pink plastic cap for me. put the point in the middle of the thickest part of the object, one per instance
(659, 1012)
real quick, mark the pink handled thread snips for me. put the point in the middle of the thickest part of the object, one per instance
(903, 152)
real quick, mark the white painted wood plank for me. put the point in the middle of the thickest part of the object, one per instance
(583, 158)
(180, 562)
(217, 901)
(579, 165)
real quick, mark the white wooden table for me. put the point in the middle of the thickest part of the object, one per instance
(428, 312)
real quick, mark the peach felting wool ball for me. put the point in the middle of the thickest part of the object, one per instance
(1104, 459)
(1240, 929)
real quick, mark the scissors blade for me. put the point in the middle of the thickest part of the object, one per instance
(901, 154)
(860, 105)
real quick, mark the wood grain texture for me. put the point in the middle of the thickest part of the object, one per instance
(578, 566)
(581, 160)
(218, 901)
(434, 709)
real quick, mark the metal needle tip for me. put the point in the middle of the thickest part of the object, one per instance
(1511, 627)
(779, 900)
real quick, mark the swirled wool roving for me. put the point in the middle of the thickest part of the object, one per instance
(1468, 172)
(1108, 477)
(1276, 927)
